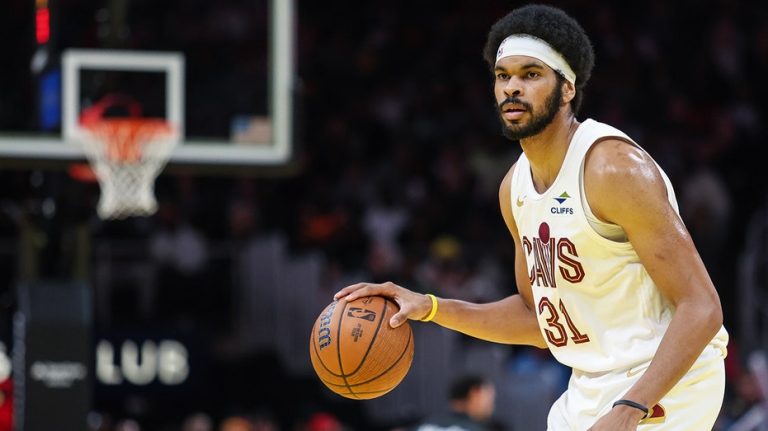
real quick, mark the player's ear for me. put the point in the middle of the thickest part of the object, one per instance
(569, 92)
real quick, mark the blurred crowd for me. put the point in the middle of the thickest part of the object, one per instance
(399, 155)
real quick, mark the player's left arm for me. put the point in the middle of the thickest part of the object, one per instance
(625, 187)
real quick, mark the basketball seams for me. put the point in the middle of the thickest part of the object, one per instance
(374, 355)
(367, 350)
(402, 355)
(406, 348)
(317, 353)
(338, 349)
(370, 343)
(320, 360)
(370, 394)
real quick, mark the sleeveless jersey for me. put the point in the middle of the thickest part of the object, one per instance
(597, 307)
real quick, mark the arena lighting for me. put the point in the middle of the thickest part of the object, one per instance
(42, 22)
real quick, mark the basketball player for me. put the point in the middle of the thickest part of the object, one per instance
(608, 277)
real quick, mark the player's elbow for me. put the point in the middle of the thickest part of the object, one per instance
(703, 315)
(710, 314)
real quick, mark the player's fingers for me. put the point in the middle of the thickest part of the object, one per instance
(398, 319)
(347, 290)
(357, 290)
(360, 290)
(405, 313)
(409, 309)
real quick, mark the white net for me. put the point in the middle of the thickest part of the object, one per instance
(126, 156)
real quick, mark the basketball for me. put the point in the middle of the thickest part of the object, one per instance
(354, 350)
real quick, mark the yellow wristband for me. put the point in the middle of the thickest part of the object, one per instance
(432, 312)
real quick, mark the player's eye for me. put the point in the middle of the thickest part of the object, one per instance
(502, 76)
(532, 75)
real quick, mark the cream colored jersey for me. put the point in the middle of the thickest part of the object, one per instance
(597, 307)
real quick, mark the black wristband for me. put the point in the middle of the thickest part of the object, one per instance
(632, 404)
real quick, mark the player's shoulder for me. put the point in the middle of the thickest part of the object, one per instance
(505, 200)
(619, 176)
(506, 182)
(617, 159)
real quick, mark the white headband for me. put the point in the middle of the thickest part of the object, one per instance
(531, 46)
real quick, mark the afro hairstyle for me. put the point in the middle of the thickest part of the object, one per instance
(553, 26)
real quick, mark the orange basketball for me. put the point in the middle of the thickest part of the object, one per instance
(355, 352)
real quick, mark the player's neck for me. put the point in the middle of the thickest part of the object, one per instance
(546, 150)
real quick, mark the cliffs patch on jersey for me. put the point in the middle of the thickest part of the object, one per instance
(560, 209)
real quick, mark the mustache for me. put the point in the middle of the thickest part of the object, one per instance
(515, 101)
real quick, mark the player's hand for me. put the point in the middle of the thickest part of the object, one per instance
(414, 306)
(620, 418)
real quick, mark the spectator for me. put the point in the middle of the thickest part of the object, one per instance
(472, 400)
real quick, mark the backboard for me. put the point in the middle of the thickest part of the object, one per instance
(222, 75)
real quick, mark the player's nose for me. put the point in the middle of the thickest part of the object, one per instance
(513, 88)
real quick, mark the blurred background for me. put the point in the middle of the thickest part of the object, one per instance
(198, 317)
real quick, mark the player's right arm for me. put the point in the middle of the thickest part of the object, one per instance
(511, 320)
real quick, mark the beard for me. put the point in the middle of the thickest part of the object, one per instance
(538, 122)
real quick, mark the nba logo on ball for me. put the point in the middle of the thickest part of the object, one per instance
(355, 352)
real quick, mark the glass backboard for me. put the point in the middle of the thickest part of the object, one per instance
(222, 76)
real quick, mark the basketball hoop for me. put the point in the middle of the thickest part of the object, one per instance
(127, 154)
